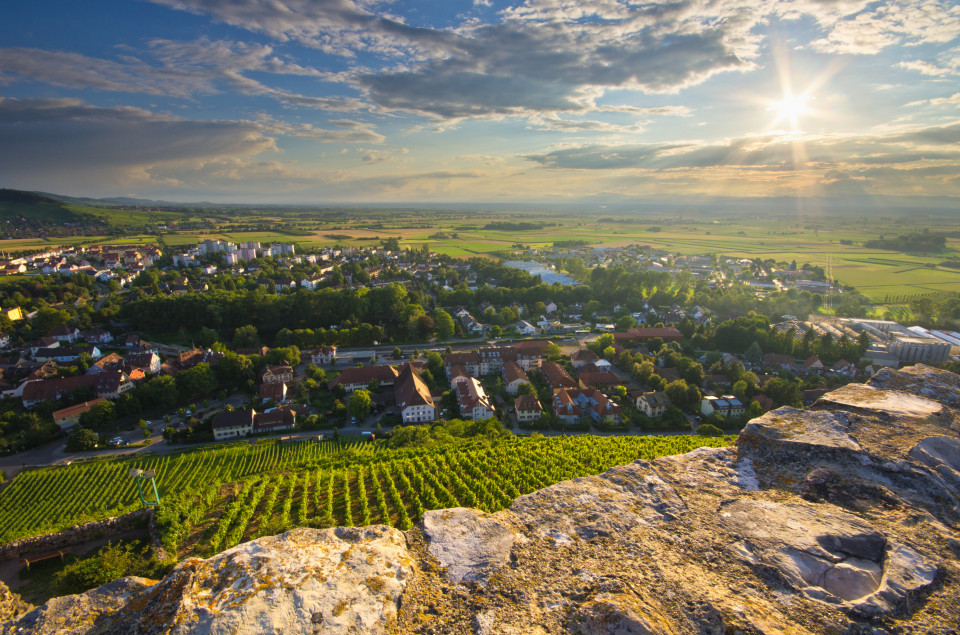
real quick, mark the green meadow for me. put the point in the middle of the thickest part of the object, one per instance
(817, 240)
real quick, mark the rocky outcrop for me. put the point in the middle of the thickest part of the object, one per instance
(12, 605)
(840, 519)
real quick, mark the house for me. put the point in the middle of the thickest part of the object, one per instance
(778, 361)
(109, 362)
(68, 334)
(413, 397)
(274, 420)
(513, 377)
(67, 417)
(528, 408)
(312, 283)
(843, 367)
(525, 328)
(281, 373)
(565, 408)
(550, 307)
(274, 391)
(5, 340)
(813, 364)
(492, 358)
(43, 342)
(233, 425)
(147, 362)
(111, 383)
(469, 362)
(596, 405)
(583, 357)
(324, 355)
(473, 400)
(591, 375)
(728, 406)
(96, 336)
(359, 378)
(653, 404)
(35, 392)
(557, 377)
(530, 354)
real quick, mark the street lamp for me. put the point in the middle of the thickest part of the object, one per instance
(146, 475)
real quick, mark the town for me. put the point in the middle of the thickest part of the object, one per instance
(260, 340)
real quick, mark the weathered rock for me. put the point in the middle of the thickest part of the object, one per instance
(843, 519)
(343, 580)
(12, 605)
(81, 613)
(471, 544)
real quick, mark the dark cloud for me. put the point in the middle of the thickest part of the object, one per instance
(53, 138)
(768, 152)
(523, 68)
(335, 26)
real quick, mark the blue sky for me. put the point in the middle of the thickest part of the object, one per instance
(317, 101)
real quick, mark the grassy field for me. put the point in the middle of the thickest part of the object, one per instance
(784, 237)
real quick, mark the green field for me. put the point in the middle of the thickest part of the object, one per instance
(224, 495)
(814, 239)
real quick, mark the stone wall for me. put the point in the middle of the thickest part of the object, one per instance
(79, 534)
(844, 519)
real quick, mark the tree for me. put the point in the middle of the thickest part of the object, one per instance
(783, 392)
(444, 324)
(360, 404)
(48, 318)
(525, 389)
(677, 393)
(246, 337)
(626, 323)
(553, 352)
(82, 440)
(100, 415)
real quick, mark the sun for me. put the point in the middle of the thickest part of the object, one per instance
(791, 108)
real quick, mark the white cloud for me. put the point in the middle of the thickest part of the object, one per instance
(925, 68)
(894, 22)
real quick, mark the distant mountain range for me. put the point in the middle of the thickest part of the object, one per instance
(50, 203)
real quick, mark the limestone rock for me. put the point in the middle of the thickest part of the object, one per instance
(471, 544)
(12, 605)
(81, 613)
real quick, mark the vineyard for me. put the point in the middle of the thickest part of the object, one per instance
(215, 498)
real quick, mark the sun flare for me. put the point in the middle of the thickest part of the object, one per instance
(791, 108)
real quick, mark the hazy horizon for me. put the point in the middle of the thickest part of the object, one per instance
(544, 102)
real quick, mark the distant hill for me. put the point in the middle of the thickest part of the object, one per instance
(124, 201)
(42, 209)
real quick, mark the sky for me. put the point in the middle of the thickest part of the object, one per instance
(544, 101)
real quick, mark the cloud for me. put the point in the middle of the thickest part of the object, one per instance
(519, 68)
(897, 22)
(69, 140)
(925, 68)
(340, 27)
(774, 151)
(72, 70)
(345, 131)
(177, 69)
(953, 99)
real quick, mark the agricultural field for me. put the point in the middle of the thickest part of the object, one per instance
(813, 236)
(220, 496)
